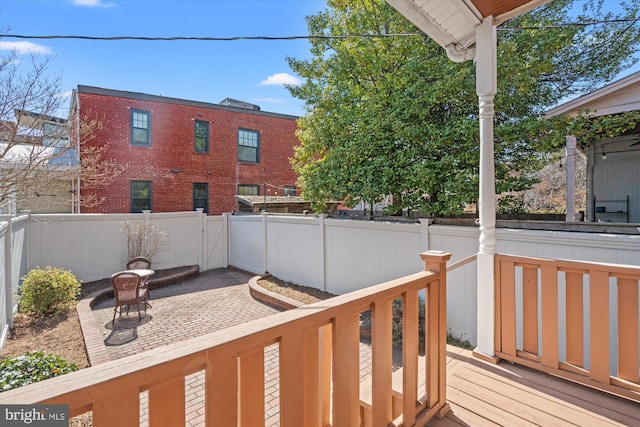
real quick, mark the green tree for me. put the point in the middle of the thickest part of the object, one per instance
(392, 115)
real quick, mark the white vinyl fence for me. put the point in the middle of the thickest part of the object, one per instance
(13, 235)
(335, 255)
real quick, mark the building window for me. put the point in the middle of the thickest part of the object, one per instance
(248, 190)
(140, 196)
(201, 196)
(289, 190)
(54, 135)
(201, 132)
(248, 146)
(140, 127)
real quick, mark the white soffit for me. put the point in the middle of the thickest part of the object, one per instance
(452, 23)
(445, 21)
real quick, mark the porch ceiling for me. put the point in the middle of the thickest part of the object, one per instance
(451, 23)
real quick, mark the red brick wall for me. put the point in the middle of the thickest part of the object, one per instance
(171, 163)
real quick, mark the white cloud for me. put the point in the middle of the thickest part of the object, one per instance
(271, 100)
(281, 79)
(25, 47)
(93, 3)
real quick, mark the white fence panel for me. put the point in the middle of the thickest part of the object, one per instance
(462, 294)
(6, 288)
(13, 246)
(92, 246)
(215, 245)
(595, 247)
(183, 239)
(247, 243)
(360, 254)
(19, 267)
(335, 255)
(295, 250)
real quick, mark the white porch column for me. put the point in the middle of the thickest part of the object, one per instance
(486, 87)
(570, 169)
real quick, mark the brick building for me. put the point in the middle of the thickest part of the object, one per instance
(181, 154)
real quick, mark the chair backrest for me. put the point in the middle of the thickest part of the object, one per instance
(139, 262)
(126, 287)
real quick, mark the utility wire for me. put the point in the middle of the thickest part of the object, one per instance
(308, 37)
(224, 39)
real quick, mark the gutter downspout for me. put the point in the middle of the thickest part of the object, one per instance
(457, 53)
(77, 193)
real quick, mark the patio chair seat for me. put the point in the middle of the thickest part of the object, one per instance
(128, 289)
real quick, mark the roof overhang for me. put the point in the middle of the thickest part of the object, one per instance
(452, 23)
(616, 97)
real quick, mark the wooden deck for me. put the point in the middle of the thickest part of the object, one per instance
(484, 394)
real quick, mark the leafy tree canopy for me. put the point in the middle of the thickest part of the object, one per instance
(394, 116)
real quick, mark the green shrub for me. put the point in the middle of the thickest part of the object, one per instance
(48, 291)
(32, 367)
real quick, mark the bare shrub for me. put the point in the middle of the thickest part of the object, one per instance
(143, 238)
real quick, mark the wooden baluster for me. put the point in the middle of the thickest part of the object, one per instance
(291, 371)
(346, 375)
(508, 307)
(167, 404)
(599, 325)
(530, 309)
(325, 351)
(221, 391)
(628, 329)
(550, 316)
(575, 319)
(382, 411)
(312, 374)
(252, 389)
(410, 340)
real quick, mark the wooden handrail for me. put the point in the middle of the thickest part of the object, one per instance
(462, 262)
(538, 276)
(318, 352)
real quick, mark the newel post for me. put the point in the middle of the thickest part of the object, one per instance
(436, 261)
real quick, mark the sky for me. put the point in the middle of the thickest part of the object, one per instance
(209, 71)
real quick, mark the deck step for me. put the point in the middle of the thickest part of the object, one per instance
(366, 392)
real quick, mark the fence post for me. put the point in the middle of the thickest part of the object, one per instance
(202, 240)
(425, 244)
(323, 244)
(8, 276)
(227, 238)
(436, 261)
(264, 242)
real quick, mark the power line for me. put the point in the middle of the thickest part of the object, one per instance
(307, 37)
(224, 39)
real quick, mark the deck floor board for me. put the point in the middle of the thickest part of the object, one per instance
(485, 394)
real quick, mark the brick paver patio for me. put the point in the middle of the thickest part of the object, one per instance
(214, 300)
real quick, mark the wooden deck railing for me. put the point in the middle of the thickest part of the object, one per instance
(544, 306)
(319, 381)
